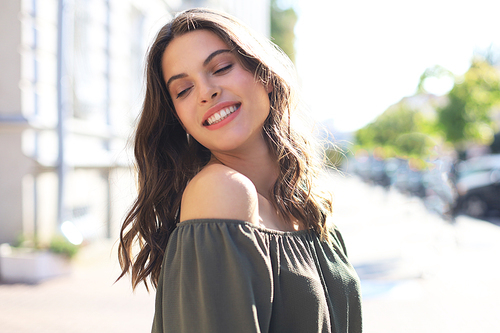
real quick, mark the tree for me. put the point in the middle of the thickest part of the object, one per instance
(466, 117)
(400, 129)
(435, 71)
(282, 28)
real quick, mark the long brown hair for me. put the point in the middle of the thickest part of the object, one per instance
(166, 158)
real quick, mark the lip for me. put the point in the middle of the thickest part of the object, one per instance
(218, 107)
(225, 120)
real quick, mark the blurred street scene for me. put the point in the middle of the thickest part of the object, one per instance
(447, 186)
(419, 273)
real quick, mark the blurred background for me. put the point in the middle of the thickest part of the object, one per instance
(407, 97)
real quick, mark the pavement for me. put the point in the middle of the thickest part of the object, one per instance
(86, 300)
(419, 273)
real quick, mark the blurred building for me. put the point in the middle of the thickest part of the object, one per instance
(70, 91)
(255, 13)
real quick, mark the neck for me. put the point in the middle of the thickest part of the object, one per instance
(258, 164)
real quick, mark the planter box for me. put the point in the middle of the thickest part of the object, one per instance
(29, 266)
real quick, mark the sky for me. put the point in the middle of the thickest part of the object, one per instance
(356, 58)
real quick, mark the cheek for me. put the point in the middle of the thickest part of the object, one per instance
(258, 91)
(182, 118)
(262, 96)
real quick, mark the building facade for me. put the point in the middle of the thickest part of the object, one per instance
(70, 91)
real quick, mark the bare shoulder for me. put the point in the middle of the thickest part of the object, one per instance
(218, 191)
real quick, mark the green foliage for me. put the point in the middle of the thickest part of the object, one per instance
(59, 244)
(436, 71)
(466, 118)
(399, 129)
(282, 28)
(413, 144)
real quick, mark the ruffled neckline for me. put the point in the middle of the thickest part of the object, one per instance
(195, 222)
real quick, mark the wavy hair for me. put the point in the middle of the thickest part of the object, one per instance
(167, 158)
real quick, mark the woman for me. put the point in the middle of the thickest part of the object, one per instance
(231, 225)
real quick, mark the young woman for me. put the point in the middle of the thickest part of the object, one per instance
(231, 225)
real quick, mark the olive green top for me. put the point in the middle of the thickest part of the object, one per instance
(229, 276)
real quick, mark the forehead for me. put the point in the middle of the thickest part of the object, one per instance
(189, 50)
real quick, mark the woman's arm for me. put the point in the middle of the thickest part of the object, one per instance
(215, 276)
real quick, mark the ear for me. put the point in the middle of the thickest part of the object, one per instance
(269, 87)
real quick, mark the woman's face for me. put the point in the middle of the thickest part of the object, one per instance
(218, 102)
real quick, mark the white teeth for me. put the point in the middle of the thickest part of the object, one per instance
(222, 114)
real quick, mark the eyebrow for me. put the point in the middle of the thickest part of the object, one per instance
(205, 63)
(213, 54)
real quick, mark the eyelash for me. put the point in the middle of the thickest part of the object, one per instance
(219, 71)
(182, 93)
(224, 69)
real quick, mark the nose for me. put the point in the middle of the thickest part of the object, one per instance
(208, 92)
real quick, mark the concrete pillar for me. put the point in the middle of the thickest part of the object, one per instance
(13, 167)
(10, 57)
(13, 164)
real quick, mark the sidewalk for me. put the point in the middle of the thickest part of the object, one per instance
(85, 301)
(419, 274)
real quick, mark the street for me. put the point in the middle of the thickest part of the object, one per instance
(419, 274)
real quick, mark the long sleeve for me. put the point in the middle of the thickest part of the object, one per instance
(215, 278)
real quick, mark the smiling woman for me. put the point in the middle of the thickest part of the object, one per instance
(218, 101)
(231, 223)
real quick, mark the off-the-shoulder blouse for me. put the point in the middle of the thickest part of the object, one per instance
(230, 276)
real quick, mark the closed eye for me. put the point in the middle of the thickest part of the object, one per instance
(182, 93)
(223, 69)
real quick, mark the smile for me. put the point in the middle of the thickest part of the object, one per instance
(221, 115)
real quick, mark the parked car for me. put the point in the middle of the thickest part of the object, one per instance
(478, 186)
(407, 180)
(440, 190)
(371, 170)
